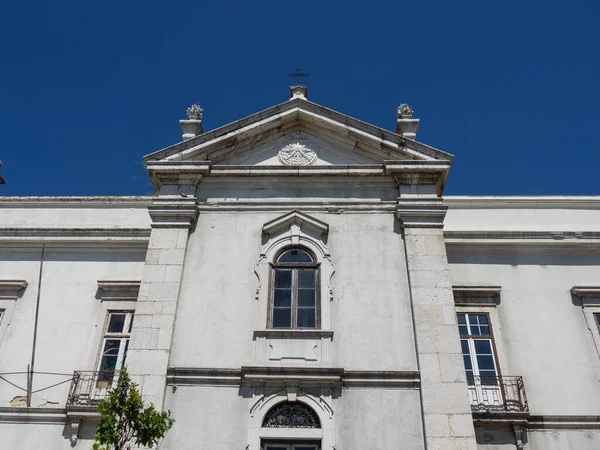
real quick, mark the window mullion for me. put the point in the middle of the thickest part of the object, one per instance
(294, 298)
(474, 364)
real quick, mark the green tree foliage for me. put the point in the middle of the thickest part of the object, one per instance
(124, 420)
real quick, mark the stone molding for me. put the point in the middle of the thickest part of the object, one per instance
(13, 414)
(173, 212)
(476, 295)
(292, 376)
(512, 238)
(295, 217)
(177, 172)
(75, 201)
(366, 206)
(12, 289)
(345, 170)
(588, 295)
(421, 212)
(410, 173)
(88, 237)
(292, 333)
(291, 113)
(118, 290)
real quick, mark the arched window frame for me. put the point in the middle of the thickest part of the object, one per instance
(295, 268)
(295, 229)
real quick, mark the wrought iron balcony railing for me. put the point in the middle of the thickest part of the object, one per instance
(495, 394)
(88, 388)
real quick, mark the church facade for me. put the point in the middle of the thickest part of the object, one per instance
(299, 282)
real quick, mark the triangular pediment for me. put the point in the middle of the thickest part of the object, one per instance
(306, 133)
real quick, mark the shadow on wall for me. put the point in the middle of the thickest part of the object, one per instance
(496, 438)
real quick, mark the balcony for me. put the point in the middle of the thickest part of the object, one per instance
(89, 388)
(498, 395)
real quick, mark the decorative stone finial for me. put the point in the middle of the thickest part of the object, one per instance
(406, 126)
(193, 126)
(194, 112)
(298, 91)
(405, 111)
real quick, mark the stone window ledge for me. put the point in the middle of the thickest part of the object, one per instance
(292, 334)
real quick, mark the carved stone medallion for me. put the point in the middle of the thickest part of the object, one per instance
(297, 154)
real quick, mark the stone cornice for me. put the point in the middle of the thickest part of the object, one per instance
(335, 207)
(421, 212)
(511, 238)
(557, 422)
(11, 289)
(32, 415)
(346, 170)
(75, 202)
(419, 173)
(297, 111)
(177, 172)
(173, 211)
(123, 290)
(476, 295)
(525, 202)
(293, 376)
(75, 236)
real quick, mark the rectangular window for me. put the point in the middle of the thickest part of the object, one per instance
(115, 342)
(597, 319)
(478, 348)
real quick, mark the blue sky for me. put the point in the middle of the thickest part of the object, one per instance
(511, 88)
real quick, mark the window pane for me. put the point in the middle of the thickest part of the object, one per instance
(282, 297)
(462, 329)
(473, 319)
(306, 318)
(485, 330)
(131, 324)
(116, 323)
(485, 362)
(488, 378)
(283, 279)
(111, 347)
(470, 378)
(306, 297)
(461, 319)
(306, 279)
(467, 361)
(483, 320)
(282, 318)
(295, 255)
(483, 347)
(465, 346)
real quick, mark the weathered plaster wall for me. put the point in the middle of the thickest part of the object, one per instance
(207, 417)
(47, 436)
(378, 418)
(70, 316)
(370, 310)
(545, 336)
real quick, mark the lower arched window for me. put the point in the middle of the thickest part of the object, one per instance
(294, 299)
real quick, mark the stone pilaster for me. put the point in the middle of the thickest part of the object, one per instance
(148, 355)
(446, 408)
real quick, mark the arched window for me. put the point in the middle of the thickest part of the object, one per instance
(294, 299)
(291, 415)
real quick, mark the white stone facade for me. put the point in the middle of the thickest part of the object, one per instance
(396, 269)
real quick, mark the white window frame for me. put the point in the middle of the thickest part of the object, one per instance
(124, 337)
(491, 392)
